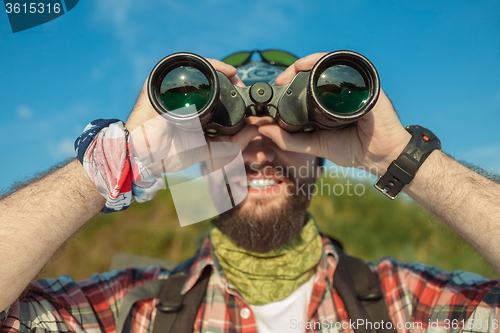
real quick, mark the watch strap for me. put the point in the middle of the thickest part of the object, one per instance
(402, 170)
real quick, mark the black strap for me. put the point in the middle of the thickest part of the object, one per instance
(402, 170)
(146, 290)
(360, 291)
(176, 312)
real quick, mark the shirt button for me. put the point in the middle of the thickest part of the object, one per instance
(245, 313)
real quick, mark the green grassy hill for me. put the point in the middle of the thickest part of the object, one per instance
(370, 226)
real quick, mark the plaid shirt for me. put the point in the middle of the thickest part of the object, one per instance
(421, 297)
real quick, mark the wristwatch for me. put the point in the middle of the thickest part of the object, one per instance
(403, 169)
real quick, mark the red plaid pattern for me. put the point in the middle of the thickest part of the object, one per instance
(426, 298)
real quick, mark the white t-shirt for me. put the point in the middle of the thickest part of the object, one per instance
(284, 316)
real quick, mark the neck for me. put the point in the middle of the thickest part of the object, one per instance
(284, 269)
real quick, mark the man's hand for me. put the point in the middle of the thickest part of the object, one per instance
(372, 143)
(464, 200)
(164, 147)
(143, 111)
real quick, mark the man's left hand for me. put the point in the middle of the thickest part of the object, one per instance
(372, 142)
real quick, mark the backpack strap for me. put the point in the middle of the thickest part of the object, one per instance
(176, 312)
(122, 260)
(356, 284)
(359, 289)
(146, 290)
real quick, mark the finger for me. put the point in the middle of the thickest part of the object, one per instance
(237, 81)
(295, 142)
(286, 77)
(303, 64)
(307, 63)
(224, 149)
(228, 70)
(247, 134)
(242, 138)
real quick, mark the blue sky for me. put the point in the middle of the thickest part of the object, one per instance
(439, 61)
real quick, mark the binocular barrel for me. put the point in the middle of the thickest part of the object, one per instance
(341, 88)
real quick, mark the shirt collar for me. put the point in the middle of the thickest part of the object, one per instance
(329, 259)
(202, 260)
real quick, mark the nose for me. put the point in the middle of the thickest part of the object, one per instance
(260, 150)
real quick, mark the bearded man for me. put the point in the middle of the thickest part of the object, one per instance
(269, 268)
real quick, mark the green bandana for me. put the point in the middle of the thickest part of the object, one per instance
(263, 278)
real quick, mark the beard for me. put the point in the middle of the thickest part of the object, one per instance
(264, 224)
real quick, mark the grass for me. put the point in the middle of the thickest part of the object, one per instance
(370, 226)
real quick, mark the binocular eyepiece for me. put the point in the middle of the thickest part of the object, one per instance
(341, 88)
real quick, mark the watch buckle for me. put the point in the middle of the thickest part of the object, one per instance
(384, 190)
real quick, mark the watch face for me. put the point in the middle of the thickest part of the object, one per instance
(422, 143)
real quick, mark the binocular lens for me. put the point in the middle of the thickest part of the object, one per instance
(184, 87)
(342, 89)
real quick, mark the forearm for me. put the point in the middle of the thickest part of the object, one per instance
(37, 220)
(466, 201)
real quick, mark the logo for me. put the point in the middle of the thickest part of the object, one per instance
(25, 15)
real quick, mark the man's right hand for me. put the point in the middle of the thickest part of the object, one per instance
(164, 147)
(38, 219)
(143, 111)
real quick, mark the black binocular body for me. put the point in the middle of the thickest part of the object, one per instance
(342, 87)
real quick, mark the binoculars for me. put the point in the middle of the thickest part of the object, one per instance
(341, 88)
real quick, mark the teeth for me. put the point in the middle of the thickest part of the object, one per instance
(259, 183)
